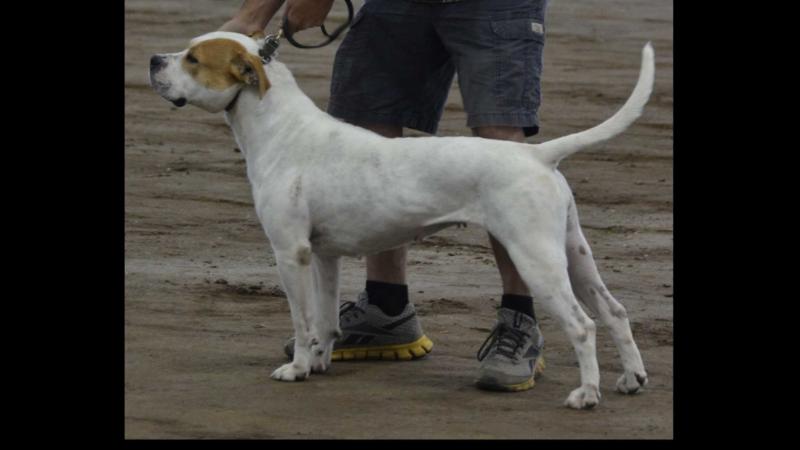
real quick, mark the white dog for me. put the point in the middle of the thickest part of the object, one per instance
(323, 189)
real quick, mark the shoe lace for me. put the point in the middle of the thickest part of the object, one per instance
(508, 342)
(349, 311)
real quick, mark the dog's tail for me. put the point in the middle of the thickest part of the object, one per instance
(552, 152)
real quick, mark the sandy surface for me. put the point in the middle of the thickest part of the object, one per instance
(204, 316)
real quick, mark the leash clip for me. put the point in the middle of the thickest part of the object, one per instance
(269, 48)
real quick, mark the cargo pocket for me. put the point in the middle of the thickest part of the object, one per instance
(518, 61)
(519, 29)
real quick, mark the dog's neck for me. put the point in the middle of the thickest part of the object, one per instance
(256, 121)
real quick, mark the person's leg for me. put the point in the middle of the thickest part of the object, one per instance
(498, 47)
(516, 294)
(498, 61)
(383, 307)
(388, 266)
(390, 72)
(386, 271)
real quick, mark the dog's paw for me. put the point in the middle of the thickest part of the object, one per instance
(631, 382)
(290, 372)
(585, 397)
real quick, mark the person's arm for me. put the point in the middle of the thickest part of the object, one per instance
(254, 15)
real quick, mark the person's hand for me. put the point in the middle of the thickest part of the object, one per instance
(304, 14)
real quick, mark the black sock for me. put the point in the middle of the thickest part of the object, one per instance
(390, 298)
(521, 303)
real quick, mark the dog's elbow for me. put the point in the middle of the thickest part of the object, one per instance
(303, 255)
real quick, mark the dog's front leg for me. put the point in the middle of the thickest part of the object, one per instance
(294, 266)
(325, 327)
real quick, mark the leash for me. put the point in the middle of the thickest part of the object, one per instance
(272, 41)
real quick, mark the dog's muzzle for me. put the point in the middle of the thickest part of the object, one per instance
(158, 62)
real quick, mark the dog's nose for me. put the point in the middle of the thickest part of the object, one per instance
(156, 61)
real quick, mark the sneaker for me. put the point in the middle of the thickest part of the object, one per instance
(368, 333)
(511, 357)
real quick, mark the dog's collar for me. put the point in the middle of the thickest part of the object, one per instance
(230, 105)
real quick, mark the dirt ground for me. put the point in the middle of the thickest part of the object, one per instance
(205, 319)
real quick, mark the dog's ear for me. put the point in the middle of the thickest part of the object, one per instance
(248, 69)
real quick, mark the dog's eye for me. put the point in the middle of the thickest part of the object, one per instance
(191, 58)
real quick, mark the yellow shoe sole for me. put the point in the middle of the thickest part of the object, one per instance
(524, 386)
(403, 352)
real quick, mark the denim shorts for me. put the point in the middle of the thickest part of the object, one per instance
(397, 62)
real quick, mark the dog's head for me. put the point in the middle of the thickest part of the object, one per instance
(211, 72)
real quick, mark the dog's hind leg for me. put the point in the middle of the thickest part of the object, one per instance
(592, 292)
(539, 258)
(294, 267)
(325, 325)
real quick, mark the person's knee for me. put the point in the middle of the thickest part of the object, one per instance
(500, 132)
(389, 131)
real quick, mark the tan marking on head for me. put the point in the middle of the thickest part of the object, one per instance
(222, 63)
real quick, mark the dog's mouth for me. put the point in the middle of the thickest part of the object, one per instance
(163, 90)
